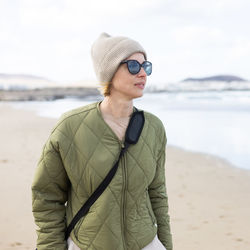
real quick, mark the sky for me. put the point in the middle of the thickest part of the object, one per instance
(194, 38)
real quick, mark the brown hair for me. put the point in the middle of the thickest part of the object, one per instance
(105, 89)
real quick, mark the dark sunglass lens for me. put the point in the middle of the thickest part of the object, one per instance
(147, 66)
(133, 67)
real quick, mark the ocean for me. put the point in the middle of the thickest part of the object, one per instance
(212, 122)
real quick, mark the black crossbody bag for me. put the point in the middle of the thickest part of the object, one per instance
(132, 135)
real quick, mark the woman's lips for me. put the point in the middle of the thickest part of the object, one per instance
(140, 85)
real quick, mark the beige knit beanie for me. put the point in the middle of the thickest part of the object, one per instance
(107, 53)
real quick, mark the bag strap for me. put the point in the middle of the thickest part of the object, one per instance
(132, 135)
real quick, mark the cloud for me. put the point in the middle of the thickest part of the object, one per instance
(183, 38)
(76, 14)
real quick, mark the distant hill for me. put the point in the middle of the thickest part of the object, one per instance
(22, 76)
(21, 87)
(217, 78)
(25, 81)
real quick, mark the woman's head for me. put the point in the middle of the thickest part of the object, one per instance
(110, 59)
(127, 84)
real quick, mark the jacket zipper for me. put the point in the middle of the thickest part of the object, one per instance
(124, 186)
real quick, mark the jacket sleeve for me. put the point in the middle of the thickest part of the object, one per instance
(159, 200)
(49, 194)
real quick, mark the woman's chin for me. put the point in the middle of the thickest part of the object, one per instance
(137, 94)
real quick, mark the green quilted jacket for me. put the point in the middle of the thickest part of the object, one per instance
(79, 153)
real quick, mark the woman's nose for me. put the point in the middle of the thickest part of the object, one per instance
(142, 72)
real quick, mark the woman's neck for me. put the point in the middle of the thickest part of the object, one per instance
(118, 108)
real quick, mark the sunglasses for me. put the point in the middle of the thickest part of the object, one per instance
(134, 66)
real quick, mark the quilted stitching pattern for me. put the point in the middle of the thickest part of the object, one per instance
(76, 158)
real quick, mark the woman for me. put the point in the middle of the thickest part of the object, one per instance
(132, 213)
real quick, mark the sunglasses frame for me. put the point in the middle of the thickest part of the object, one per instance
(140, 64)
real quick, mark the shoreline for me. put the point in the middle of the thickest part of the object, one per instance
(12, 104)
(210, 156)
(209, 198)
(208, 126)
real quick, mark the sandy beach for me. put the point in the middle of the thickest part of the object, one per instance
(209, 199)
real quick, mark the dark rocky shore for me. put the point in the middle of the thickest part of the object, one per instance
(47, 94)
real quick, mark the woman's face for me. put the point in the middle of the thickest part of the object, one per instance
(125, 84)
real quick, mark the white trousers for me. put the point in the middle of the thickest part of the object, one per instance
(154, 245)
